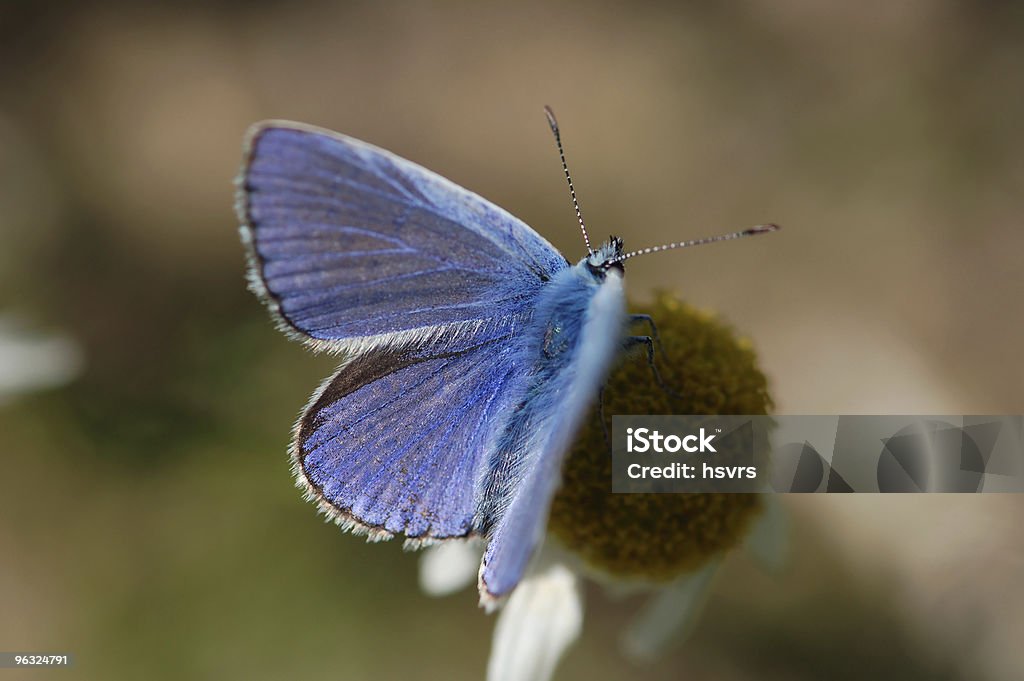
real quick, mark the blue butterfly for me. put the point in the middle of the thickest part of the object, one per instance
(472, 349)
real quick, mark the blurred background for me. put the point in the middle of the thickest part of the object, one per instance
(148, 522)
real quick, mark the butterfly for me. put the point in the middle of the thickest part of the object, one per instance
(472, 349)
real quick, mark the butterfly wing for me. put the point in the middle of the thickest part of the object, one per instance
(423, 286)
(397, 440)
(352, 247)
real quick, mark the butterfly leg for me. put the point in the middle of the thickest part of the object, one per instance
(647, 341)
(647, 319)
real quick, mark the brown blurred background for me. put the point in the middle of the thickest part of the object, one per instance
(149, 524)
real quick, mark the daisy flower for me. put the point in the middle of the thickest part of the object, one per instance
(668, 545)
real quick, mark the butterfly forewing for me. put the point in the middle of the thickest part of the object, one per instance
(351, 246)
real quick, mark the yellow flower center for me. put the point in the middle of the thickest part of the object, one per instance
(656, 537)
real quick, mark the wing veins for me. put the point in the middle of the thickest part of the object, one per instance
(397, 397)
(416, 491)
(327, 162)
(418, 204)
(393, 457)
(404, 313)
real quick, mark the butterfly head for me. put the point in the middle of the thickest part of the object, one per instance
(606, 258)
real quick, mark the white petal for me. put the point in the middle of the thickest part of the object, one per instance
(670, 615)
(768, 541)
(30, 362)
(448, 567)
(542, 617)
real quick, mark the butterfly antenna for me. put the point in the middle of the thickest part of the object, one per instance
(572, 192)
(759, 229)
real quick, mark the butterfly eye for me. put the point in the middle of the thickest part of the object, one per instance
(600, 271)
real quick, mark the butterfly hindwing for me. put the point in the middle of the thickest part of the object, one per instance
(396, 441)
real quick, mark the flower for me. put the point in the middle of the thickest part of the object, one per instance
(670, 544)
